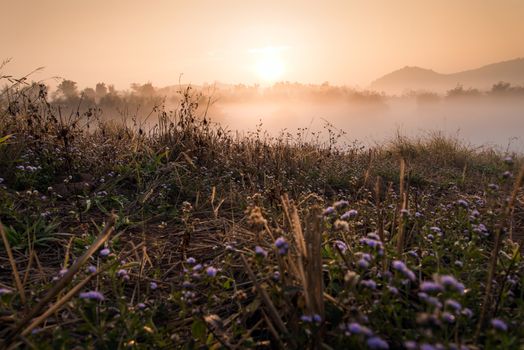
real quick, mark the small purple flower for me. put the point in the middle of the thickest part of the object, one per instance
(352, 213)
(369, 284)
(260, 251)
(462, 203)
(141, 306)
(448, 317)
(508, 160)
(317, 318)
(453, 304)
(92, 295)
(499, 325)
(341, 204)
(452, 283)
(91, 269)
(282, 245)
(276, 276)
(306, 318)
(122, 273)
(5, 291)
(430, 287)
(211, 271)
(191, 261)
(341, 246)
(393, 290)
(363, 263)
(426, 346)
(105, 252)
(153, 285)
(328, 211)
(197, 267)
(410, 345)
(467, 312)
(377, 343)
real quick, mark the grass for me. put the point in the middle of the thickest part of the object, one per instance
(189, 236)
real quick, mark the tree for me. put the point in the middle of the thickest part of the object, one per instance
(101, 91)
(67, 89)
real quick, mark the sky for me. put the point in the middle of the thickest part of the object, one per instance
(246, 41)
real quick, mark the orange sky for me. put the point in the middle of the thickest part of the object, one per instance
(343, 42)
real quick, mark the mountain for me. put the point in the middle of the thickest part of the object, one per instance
(483, 78)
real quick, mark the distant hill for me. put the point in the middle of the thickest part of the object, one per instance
(416, 78)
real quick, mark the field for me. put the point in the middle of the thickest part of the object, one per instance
(190, 236)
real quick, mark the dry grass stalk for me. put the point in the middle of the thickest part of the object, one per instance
(271, 309)
(402, 205)
(66, 279)
(12, 261)
(506, 218)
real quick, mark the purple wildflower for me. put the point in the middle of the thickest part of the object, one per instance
(340, 245)
(191, 260)
(448, 317)
(281, 245)
(377, 343)
(352, 213)
(211, 271)
(363, 263)
(91, 269)
(105, 252)
(452, 283)
(153, 285)
(197, 267)
(410, 344)
(260, 251)
(499, 325)
(141, 306)
(430, 287)
(92, 295)
(369, 284)
(341, 204)
(462, 203)
(328, 211)
(453, 304)
(5, 291)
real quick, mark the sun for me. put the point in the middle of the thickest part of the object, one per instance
(269, 65)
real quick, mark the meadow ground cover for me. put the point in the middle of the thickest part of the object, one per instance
(191, 236)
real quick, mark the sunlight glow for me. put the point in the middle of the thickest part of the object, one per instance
(269, 65)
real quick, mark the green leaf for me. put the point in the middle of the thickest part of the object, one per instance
(5, 138)
(199, 330)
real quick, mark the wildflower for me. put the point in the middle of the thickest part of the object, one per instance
(373, 235)
(459, 263)
(372, 243)
(357, 328)
(467, 312)
(92, 295)
(5, 291)
(306, 318)
(363, 263)
(426, 346)
(260, 251)
(197, 267)
(506, 174)
(352, 213)
(229, 248)
(401, 267)
(462, 203)
(410, 344)
(340, 245)
(328, 211)
(341, 204)
(418, 215)
(191, 260)
(153, 285)
(393, 290)
(276, 276)
(211, 271)
(430, 287)
(377, 343)
(499, 325)
(508, 160)
(141, 306)
(282, 245)
(448, 317)
(105, 252)
(453, 304)
(122, 274)
(433, 301)
(493, 187)
(451, 282)
(317, 318)
(1, 180)
(369, 284)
